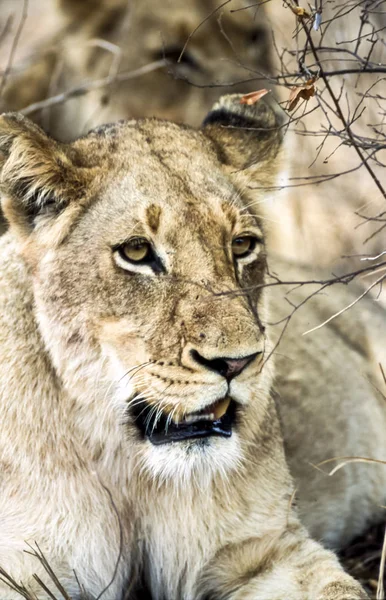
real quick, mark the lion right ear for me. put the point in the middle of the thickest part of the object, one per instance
(247, 137)
(38, 176)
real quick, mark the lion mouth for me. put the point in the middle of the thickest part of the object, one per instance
(217, 419)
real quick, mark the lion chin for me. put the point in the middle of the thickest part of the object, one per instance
(198, 446)
(198, 460)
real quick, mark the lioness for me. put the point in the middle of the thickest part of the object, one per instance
(140, 442)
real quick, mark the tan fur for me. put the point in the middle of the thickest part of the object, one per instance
(83, 337)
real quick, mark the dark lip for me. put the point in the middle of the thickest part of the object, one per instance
(164, 432)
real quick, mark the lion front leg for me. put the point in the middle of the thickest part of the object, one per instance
(288, 567)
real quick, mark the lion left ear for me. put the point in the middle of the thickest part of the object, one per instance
(245, 136)
(38, 176)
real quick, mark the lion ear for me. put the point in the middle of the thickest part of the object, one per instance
(246, 136)
(38, 176)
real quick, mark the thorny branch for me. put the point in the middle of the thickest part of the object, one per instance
(335, 100)
(311, 51)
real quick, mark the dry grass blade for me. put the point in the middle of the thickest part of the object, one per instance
(45, 564)
(16, 587)
(340, 312)
(349, 459)
(383, 373)
(37, 553)
(83, 593)
(290, 504)
(380, 587)
(120, 550)
(44, 587)
(29, 595)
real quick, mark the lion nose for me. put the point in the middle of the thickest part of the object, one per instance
(227, 367)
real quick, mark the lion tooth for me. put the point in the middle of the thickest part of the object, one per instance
(193, 418)
(221, 407)
(212, 412)
(199, 417)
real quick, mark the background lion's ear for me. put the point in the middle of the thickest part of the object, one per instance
(245, 136)
(38, 176)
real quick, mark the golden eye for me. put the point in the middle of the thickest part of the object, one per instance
(242, 246)
(137, 250)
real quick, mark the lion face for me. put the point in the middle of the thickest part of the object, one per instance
(149, 291)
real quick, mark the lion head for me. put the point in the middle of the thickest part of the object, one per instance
(147, 261)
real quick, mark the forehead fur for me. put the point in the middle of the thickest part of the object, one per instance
(150, 160)
(164, 182)
(135, 145)
(131, 163)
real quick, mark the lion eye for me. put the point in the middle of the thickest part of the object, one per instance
(242, 246)
(137, 250)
